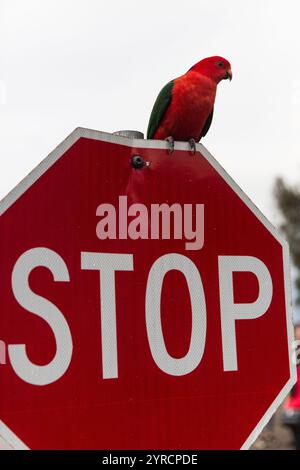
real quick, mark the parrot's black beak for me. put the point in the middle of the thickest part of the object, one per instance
(228, 75)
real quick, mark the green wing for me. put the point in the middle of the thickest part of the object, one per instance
(207, 124)
(160, 107)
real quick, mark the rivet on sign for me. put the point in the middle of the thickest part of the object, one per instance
(138, 162)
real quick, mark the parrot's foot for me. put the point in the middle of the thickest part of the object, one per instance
(192, 143)
(171, 144)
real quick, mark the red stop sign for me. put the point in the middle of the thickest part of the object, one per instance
(142, 308)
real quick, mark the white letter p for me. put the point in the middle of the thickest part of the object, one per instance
(231, 311)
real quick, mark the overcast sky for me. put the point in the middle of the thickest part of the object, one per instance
(100, 64)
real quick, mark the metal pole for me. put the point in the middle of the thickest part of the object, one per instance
(130, 134)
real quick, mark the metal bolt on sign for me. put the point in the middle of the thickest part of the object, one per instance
(137, 162)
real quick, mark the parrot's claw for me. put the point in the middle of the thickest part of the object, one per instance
(171, 144)
(192, 143)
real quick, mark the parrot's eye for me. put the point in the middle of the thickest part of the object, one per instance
(220, 64)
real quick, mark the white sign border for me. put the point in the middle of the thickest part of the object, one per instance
(9, 437)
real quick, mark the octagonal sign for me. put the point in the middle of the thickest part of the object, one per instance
(144, 302)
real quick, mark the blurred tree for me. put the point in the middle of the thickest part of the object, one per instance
(288, 201)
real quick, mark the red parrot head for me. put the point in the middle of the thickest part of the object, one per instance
(217, 68)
